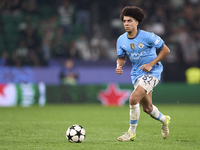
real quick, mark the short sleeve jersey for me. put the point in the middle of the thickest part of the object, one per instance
(141, 50)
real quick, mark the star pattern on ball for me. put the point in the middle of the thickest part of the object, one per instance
(74, 134)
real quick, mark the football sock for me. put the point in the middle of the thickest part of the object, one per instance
(156, 114)
(134, 117)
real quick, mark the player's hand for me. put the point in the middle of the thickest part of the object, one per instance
(119, 70)
(146, 67)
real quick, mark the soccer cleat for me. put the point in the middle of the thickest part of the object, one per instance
(128, 136)
(165, 128)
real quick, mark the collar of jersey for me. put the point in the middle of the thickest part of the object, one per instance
(136, 34)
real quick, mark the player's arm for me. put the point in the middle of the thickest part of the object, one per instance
(162, 54)
(120, 63)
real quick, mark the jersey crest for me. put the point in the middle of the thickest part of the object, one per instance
(140, 45)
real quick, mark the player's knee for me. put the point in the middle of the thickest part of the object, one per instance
(133, 101)
(146, 110)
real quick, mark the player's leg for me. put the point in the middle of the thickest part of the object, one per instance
(150, 109)
(134, 100)
(153, 111)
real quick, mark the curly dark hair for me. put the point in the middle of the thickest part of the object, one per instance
(133, 11)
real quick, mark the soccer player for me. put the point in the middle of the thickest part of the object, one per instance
(140, 47)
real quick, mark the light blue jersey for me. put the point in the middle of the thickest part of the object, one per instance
(141, 50)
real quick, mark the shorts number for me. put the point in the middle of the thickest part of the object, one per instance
(147, 79)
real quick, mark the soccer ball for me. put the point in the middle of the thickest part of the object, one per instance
(75, 134)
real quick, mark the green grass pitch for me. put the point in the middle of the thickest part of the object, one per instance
(43, 128)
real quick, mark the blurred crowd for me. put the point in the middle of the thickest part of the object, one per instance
(34, 32)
